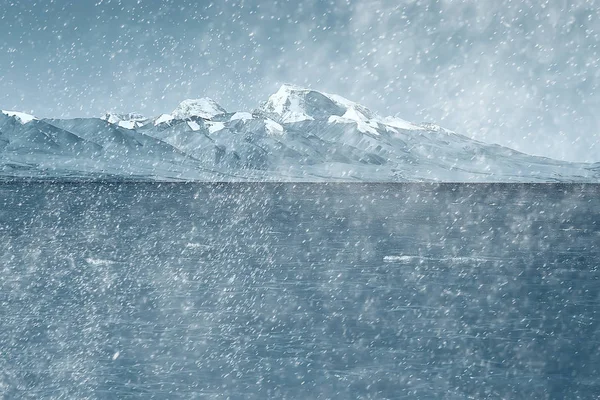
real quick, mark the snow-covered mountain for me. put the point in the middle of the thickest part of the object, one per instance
(298, 134)
(204, 108)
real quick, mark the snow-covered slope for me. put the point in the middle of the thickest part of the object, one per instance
(19, 116)
(298, 134)
(128, 121)
(204, 108)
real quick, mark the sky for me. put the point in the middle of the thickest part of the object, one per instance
(521, 73)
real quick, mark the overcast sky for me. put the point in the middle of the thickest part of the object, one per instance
(521, 73)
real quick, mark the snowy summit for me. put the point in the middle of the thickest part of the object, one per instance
(205, 108)
(295, 104)
(19, 116)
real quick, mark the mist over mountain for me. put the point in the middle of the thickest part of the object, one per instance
(297, 134)
(523, 74)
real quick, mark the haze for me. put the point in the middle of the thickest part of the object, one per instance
(519, 73)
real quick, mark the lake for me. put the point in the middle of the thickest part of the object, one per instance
(307, 291)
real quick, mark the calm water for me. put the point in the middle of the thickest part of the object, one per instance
(254, 291)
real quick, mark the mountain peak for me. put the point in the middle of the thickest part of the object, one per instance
(125, 120)
(204, 108)
(293, 103)
(21, 117)
(114, 117)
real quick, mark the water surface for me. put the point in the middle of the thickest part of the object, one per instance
(254, 291)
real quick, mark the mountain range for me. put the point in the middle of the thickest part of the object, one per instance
(298, 134)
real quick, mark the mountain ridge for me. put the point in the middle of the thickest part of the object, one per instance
(298, 134)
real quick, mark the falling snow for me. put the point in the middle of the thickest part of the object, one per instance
(523, 74)
(299, 199)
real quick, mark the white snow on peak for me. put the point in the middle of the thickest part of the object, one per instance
(244, 116)
(294, 104)
(348, 104)
(128, 124)
(21, 117)
(204, 108)
(127, 121)
(288, 103)
(163, 119)
(114, 118)
(352, 115)
(297, 94)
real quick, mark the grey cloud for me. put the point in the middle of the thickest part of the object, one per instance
(523, 74)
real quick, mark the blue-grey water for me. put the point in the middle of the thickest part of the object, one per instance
(255, 291)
